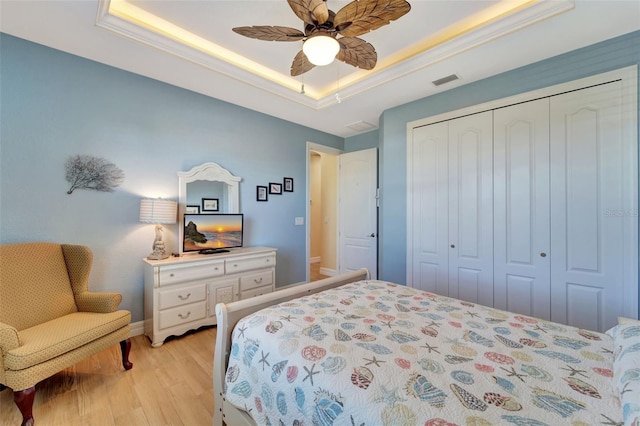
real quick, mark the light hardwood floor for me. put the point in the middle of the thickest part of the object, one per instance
(169, 385)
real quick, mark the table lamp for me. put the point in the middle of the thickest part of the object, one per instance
(160, 212)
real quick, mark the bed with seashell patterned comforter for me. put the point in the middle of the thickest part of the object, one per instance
(376, 353)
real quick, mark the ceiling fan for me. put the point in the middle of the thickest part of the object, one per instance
(322, 27)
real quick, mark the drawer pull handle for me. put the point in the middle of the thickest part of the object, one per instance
(235, 265)
(171, 274)
(268, 260)
(184, 297)
(257, 281)
(215, 269)
(185, 316)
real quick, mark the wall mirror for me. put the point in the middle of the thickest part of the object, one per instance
(210, 187)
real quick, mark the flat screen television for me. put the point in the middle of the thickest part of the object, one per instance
(212, 233)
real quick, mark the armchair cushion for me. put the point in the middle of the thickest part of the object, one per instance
(56, 337)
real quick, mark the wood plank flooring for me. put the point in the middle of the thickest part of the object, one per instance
(169, 385)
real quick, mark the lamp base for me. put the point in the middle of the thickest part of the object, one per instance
(158, 256)
(159, 252)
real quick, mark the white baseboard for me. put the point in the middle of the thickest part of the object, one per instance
(328, 272)
(137, 328)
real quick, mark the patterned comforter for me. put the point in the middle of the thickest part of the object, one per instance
(376, 353)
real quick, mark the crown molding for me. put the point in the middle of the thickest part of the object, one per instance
(357, 83)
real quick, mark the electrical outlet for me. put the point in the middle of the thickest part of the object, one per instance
(299, 221)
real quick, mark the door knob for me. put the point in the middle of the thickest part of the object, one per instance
(453, 246)
(543, 254)
(372, 235)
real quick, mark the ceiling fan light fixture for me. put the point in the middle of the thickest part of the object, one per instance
(321, 50)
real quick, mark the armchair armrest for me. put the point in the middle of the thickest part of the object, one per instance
(9, 338)
(98, 302)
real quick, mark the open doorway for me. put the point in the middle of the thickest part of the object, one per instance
(322, 211)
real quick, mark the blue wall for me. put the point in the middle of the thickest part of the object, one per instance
(362, 141)
(605, 56)
(55, 105)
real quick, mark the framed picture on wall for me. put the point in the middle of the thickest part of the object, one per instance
(261, 193)
(275, 188)
(209, 204)
(192, 210)
(288, 184)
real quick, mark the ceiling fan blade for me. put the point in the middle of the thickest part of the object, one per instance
(269, 33)
(357, 52)
(310, 11)
(361, 16)
(300, 64)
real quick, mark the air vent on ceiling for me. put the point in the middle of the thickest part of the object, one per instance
(447, 79)
(361, 126)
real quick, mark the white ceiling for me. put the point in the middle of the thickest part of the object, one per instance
(179, 42)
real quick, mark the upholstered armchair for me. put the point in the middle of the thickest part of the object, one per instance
(48, 318)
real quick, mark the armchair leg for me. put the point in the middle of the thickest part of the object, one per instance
(125, 347)
(24, 401)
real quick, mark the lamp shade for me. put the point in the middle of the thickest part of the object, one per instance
(321, 49)
(158, 210)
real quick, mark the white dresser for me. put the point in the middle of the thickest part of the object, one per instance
(180, 293)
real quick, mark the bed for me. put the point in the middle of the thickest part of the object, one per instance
(352, 351)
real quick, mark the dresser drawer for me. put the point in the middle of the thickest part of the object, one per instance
(181, 296)
(182, 315)
(247, 264)
(258, 279)
(255, 292)
(180, 273)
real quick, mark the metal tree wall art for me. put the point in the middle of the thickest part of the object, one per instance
(89, 172)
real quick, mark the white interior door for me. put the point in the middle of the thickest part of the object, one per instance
(358, 211)
(430, 211)
(521, 209)
(592, 216)
(471, 208)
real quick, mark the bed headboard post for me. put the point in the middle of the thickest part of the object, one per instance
(222, 348)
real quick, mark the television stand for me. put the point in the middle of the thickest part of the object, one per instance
(213, 251)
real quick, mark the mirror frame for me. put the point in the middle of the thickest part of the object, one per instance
(210, 172)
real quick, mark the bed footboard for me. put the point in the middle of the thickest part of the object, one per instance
(229, 314)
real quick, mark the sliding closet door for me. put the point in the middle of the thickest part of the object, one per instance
(589, 207)
(430, 222)
(521, 209)
(471, 208)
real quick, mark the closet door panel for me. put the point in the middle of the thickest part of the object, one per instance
(470, 208)
(587, 177)
(521, 209)
(430, 195)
